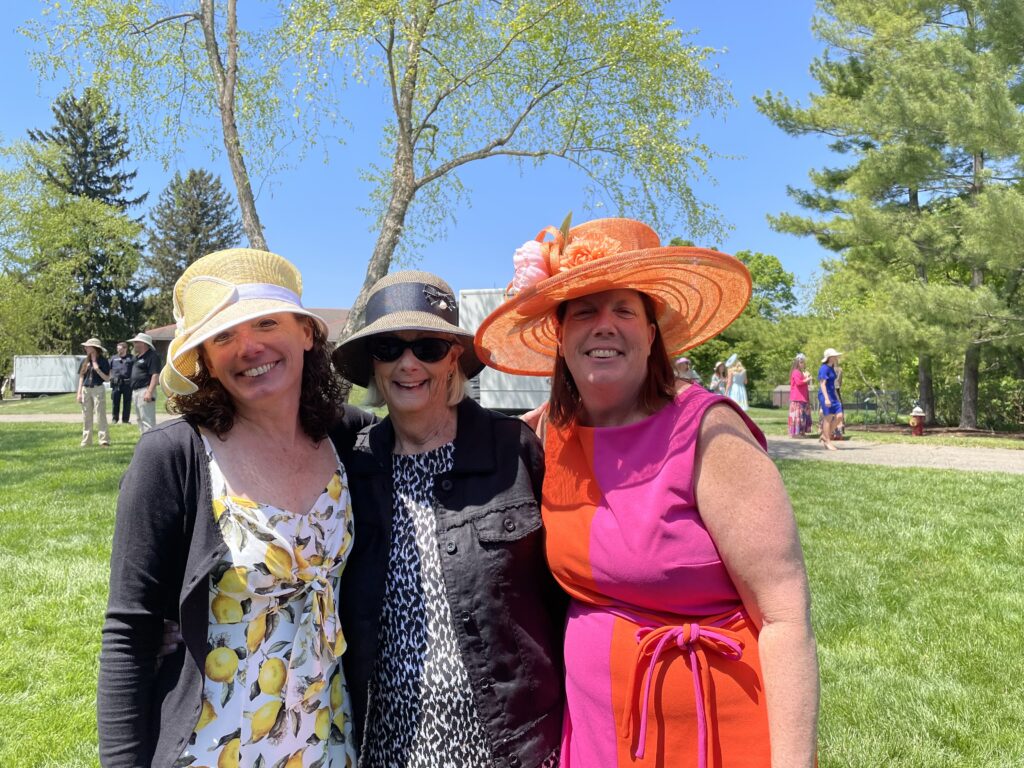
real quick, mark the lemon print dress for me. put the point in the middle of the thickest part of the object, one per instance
(274, 693)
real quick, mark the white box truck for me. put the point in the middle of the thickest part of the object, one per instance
(493, 389)
(46, 374)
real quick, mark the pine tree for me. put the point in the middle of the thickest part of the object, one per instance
(194, 216)
(92, 145)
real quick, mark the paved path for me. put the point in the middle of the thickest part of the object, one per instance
(859, 451)
(856, 451)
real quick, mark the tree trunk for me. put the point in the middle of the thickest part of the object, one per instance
(969, 402)
(226, 78)
(925, 390)
(972, 362)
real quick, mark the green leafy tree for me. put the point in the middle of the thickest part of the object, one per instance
(924, 98)
(171, 69)
(194, 216)
(92, 147)
(608, 87)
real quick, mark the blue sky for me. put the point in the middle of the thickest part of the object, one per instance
(311, 210)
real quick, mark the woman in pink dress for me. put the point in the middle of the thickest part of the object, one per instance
(688, 641)
(799, 399)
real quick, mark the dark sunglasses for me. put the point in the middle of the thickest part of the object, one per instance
(387, 349)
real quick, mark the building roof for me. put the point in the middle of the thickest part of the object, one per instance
(335, 322)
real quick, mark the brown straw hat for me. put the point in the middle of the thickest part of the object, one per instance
(222, 290)
(405, 301)
(697, 292)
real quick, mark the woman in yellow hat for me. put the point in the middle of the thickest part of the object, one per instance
(234, 520)
(688, 640)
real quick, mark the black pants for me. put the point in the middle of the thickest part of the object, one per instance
(121, 394)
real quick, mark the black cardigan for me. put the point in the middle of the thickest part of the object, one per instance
(165, 545)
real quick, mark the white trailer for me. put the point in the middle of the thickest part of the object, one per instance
(46, 374)
(493, 389)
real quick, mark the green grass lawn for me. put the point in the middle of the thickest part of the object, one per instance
(915, 575)
(47, 404)
(773, 421)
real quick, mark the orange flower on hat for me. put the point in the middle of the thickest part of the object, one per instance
(586, 249)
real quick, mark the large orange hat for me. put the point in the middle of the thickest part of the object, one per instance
(697, 292)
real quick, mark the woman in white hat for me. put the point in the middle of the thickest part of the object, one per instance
(94, 371)
(828, 398)
(235, 521)
(736, 383)
(719, 379)
(453, 620)
(688, 640)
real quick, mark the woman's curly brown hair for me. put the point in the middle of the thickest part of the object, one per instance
(212, 407)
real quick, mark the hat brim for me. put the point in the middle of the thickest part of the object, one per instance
(698, 293)
(183, 354)
(100, 347)
(352, 357)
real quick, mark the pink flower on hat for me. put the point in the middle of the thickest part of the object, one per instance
(530, 264)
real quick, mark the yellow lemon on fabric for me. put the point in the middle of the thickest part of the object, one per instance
(314, 690)
(279, 561)
(336, 693)
(229, 755)
(234, 580)
(272, 676)
(265, 718)
(221, 664)
(226, 610)
(295, 761)
(339, 720)
(255, 632)
(334, 487)
(218, 508)
(322, 725)
(206, 716)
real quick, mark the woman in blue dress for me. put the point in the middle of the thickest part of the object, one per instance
(736, 384)
(828, 400)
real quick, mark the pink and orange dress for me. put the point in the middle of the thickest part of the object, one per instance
(661, 659)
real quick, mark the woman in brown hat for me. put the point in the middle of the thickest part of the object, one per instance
(688, 639)
(452, 618)
(236, 521)
(94, 371)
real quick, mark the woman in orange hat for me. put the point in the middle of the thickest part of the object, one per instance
(689, 639)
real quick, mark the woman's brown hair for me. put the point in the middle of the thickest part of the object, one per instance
(566, 404)
(212, 407)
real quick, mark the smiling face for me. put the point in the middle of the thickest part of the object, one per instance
(411, 386)
(606, 340)
(260, 358)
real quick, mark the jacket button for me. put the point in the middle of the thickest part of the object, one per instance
(466, 617)
(450, 548)
(446, 484)
(509, 525)
(513, 760)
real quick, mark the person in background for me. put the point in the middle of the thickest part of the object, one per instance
(453, 620)
(828, 400)
(235, 522)
(799, 397)
(719, 379)
(839, 428)
(736, 383)
(688, 640)
(121, 383)
(685, 374)
(92, 395)
(145, 376)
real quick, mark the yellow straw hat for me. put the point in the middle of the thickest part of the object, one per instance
(222, 290)
(697, 292)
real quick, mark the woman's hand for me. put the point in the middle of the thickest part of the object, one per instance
(171, 639)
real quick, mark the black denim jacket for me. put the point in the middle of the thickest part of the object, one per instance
(509, 612)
